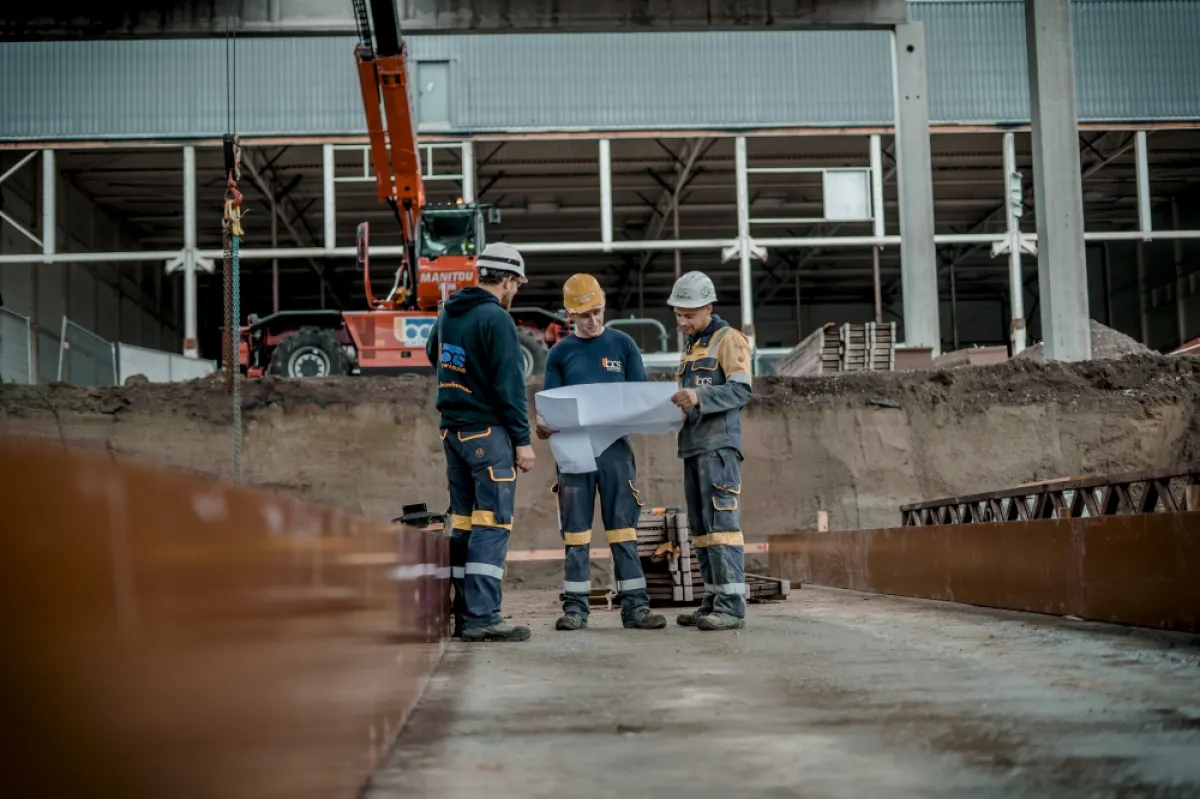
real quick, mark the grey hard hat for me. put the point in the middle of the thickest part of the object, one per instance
(693, 290)
(501, 257)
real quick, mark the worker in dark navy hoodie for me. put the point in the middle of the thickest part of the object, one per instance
(485, 436)
(596, 354)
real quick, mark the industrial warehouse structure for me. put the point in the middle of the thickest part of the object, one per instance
(597, 151)
(945, 515)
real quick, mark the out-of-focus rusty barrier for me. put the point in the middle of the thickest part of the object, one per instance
(168, 636)
(1138, 570)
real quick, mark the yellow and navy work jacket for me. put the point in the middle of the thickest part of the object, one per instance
(716, 364)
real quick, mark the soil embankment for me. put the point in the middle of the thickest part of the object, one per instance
(857, 446)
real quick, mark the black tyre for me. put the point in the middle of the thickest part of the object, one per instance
(311, 352)
(533, 350)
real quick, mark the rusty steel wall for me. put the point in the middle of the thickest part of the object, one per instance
(1137, 570)
(166, 635)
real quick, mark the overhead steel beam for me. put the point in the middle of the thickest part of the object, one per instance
(600, 16)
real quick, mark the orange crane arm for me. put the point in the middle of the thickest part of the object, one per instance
(391, 123)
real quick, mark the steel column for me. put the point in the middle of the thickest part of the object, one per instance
(606, 221)
(191, 344)
(743, 246)
(1143, 299)
(468, 172)
(1062, 262)
(877, 215)
(914, 176)
(1016, 280)
(1145, 223)
(49, 203)
(330, 201)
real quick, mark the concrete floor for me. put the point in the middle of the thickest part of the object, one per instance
(829, 694)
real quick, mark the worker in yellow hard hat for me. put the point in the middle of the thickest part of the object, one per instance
(596, 354)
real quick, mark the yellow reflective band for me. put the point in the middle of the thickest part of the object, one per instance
(725, 539)
(577, 539)
(487, 518)
(700, 541)
(621, 536)
(462, 522)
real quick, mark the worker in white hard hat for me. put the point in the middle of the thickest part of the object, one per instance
(597, 354)
(714, 385)
(485, 436)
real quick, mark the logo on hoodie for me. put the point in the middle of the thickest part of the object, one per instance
(610, 364)
(454, 358)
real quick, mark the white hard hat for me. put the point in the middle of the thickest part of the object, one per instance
(501, 257)
(693, 290)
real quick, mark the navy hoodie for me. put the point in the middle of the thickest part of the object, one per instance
(481, 381)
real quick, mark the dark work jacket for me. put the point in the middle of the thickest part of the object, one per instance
(481, 380)
(716, 364)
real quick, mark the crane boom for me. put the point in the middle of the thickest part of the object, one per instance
(391, 123)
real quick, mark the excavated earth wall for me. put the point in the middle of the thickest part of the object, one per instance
(857, 446)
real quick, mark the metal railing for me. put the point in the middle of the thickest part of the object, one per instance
(85, 359)
(16, 348)
(1151, 491)
(633, 321)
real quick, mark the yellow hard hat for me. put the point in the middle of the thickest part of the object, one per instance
(582, 293)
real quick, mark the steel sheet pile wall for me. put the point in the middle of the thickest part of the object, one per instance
(172, 636)
(1138, 570)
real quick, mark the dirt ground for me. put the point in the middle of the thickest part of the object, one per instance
(828, 694)
(855, 445)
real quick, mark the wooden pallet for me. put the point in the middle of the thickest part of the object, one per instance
(849, 348)
(673, 572)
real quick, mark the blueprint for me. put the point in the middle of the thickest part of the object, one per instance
(592, 416)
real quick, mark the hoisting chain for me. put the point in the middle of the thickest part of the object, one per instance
(231, 236)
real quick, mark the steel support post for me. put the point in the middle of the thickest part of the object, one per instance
(468, 172)
(877, 216)
(1145, 224)
(914, 176)
(1180, 280)
(330, 203)
(606, 216)
(1016, 281)
(1058, 187)
(49, 203)
(1143, 297)
(191, 343)
(743, 219)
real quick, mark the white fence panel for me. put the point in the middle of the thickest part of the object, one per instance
(85, 359)
(16, 348)
(159, 366)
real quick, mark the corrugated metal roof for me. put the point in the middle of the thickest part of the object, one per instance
(1136, 60)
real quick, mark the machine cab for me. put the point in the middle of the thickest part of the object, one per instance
(450, 236)
(454, 230)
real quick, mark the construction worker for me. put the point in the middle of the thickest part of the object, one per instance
(485, 436)
(596, 354)
(714, 383)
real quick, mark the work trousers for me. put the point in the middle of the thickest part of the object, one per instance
(481, 470)
(620, 509)
(712, 483)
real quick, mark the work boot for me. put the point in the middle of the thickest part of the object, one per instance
(645, 620)
(720, 621)
(501, 631)
(690, 618)
(570, 621)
